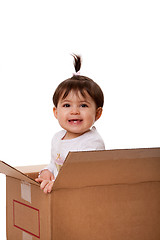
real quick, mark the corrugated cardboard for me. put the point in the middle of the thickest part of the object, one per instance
(101, 195)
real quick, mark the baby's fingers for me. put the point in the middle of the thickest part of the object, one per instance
(44, 184)
(48, 187)
(39, 180)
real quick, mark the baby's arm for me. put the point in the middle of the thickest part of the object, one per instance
(46, 179)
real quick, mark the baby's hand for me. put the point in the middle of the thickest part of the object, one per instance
(46, 175)
(46, 178)
(46, 185)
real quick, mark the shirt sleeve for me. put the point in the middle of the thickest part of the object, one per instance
(51, 166)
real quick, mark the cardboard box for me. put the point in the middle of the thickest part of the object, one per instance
(101, 195)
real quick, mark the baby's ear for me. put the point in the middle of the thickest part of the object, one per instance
(98, 113)
(55, 112)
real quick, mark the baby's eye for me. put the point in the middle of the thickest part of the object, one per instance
(84, 105)
(66, 105)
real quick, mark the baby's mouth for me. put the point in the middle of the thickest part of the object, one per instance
(75, 120)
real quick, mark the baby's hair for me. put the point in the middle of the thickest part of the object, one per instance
(80, 84)
(77, 62)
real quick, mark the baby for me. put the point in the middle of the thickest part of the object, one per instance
(78, 103)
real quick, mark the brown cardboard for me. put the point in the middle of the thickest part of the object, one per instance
(104, 195)
(31, 171)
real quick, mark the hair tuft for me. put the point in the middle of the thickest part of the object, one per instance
(77, 62)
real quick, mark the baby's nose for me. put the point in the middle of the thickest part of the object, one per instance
(75, 110)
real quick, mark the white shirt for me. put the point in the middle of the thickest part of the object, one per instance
(88, 141)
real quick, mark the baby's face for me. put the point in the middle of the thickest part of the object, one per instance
(76, 114)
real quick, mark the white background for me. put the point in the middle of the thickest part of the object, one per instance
(119, 44)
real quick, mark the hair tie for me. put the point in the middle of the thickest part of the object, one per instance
(76, 73)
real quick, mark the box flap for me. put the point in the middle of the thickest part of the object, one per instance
(97, 168)
(13, 172)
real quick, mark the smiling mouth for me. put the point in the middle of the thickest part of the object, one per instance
(75, 120)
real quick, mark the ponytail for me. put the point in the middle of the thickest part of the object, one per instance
(77, 63)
